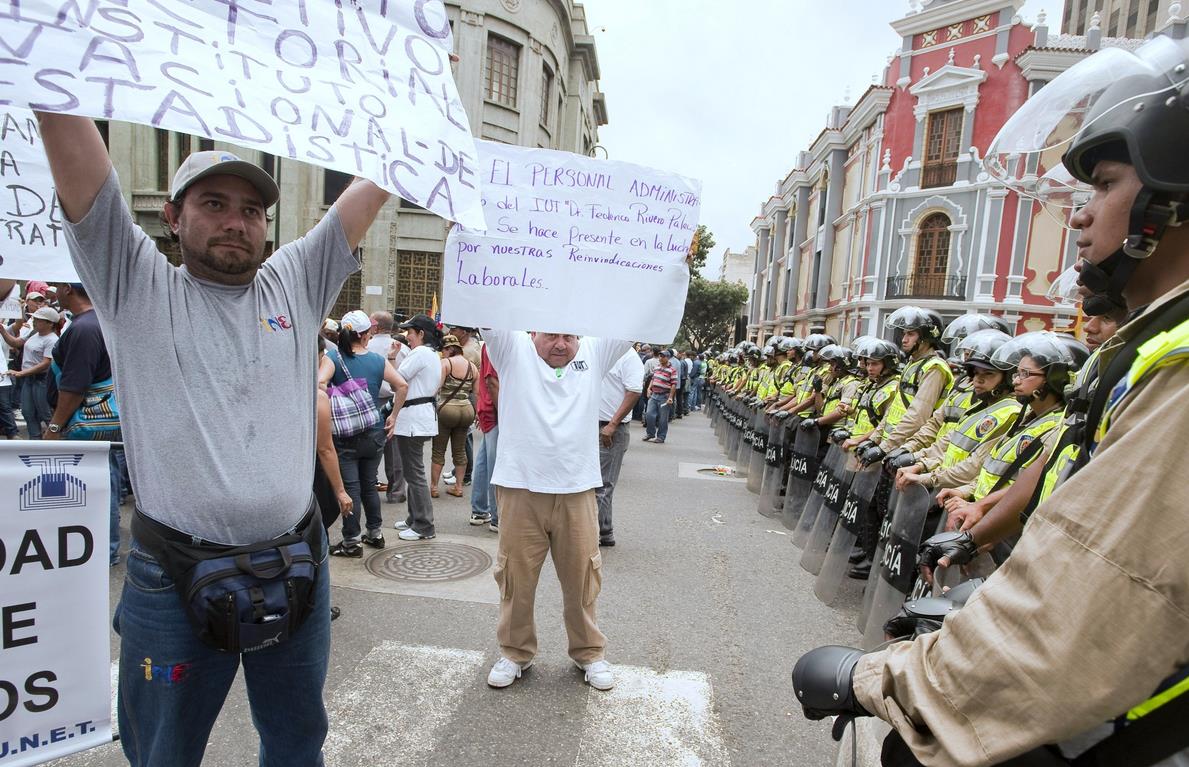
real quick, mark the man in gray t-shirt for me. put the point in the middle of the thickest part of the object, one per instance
(215, 364)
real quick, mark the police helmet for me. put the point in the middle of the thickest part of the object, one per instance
(978, 349)
(925, 321)
(970, 323)
(872, 348)
(837, 355)
(818, 341)
(769, 351)
(1058, 355)
(788, 345)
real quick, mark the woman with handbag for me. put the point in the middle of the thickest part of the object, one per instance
(417, 422)
(455, 414)
(359, 431)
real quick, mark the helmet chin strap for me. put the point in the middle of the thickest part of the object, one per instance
(1107, 280)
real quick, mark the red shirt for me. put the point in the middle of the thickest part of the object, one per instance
(484, 408)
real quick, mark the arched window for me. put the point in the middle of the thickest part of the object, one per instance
(933, 256)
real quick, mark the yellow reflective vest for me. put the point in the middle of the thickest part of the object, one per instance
(873, 401)
(977, 427)
(910, 380)
(1005, 453)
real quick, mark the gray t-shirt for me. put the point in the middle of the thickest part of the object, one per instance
(215, 383)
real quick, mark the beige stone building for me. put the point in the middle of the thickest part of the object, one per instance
(527, 74)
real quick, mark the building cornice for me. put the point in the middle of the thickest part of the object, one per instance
(870, 106)
(1047, 63)
(950, 13)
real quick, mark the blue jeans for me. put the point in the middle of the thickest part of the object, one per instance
(359, 463)
(115, 464)
(34, 406)
(8, 403)
(656, 420)
(482, 493)
(695, 393)
(172, 686)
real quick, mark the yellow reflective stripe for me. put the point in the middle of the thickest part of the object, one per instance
(1156, 701)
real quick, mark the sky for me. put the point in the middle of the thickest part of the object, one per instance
(729, 93)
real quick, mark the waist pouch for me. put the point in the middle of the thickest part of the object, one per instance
(240, 598)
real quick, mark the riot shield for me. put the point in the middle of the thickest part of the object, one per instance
(826, 523)
(733, 432)
(742, 455)
(898, 566)
(836, 560)
(773, 480)
(800, 508)
(802, 469)
(759, 447)
(881, 539)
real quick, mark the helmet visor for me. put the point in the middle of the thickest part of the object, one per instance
(1043, 346)
(1028, 149)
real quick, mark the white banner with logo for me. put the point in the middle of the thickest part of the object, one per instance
(573, 245)
(32, 243)
(363, 87)
(55, 679)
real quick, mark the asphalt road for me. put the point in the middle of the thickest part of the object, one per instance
(703, 603)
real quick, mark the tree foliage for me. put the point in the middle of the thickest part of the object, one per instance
(703, 242)
(710, 311)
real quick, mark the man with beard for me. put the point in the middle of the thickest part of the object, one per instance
(213, 362)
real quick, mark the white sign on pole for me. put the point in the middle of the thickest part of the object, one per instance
(32, 244)
(55, 681)
(363, 87)
(573, 245)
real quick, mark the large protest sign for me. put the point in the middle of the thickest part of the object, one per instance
(32, 244)
(363, 87)
(573, 245)
(55, 695)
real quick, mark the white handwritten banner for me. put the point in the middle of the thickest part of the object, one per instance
(55, 689)
(32, 245)
(573, 245)
(362, 87)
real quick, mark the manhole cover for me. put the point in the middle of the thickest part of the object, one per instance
(429, 562)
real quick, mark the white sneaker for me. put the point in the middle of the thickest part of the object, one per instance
(448, 480)
(402, 525)
(505, 672)
(409, 534)
(598, 674)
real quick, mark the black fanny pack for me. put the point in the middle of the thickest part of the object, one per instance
(240, 598)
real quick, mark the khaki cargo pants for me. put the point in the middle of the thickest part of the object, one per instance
(531, 526)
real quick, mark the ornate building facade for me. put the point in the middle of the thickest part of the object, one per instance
(527, 73)
(890, 205)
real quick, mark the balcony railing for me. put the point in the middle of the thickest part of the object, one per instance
(939, 174)
(945, 286)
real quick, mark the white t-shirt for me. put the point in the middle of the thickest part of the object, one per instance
(549, 417)
(381, 343)
(37, 348)
(423, 371)
(626, 375)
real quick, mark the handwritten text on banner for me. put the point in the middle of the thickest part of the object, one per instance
(362, 87)
(573, 245)
(32, 244)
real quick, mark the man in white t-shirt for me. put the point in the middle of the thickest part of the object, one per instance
(620, 390)
(386, 346)
(545, 476)
(35, 365)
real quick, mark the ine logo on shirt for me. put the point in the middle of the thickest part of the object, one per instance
(276, 324)
(579, 365)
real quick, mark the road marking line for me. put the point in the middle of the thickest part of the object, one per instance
(395, 703)
(661, 720)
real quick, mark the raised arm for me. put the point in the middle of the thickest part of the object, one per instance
(357, 208)
(78, 160)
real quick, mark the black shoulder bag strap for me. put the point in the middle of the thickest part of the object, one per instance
(1145, 741)
(1013, 468)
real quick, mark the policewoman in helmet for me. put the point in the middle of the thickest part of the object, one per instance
(1082, 636)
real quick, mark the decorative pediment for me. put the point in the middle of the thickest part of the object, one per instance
(949, 86)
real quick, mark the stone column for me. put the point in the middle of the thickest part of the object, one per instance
(833, 210)
(800, 229)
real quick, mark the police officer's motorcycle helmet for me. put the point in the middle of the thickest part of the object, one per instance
(1126, 106)
(977, 352)
(926, 322)
(788, 345)
(872, 348)
(814, 343)
(840, 358)
(1057, 354)
(963, 326)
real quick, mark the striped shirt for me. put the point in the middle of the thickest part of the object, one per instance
(664, 380)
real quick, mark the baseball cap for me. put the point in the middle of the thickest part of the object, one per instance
(199, 165)
(422, 322)
(46, 313)
(35, 294)
(451, 340)
(36, 286)
(331, 325)
(356, 320)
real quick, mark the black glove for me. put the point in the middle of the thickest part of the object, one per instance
(783, 414)
(902, 461)
(817, 384)
(918, 617)
(839, 435)
(896, 453)
(959, 547)
(822, 682)
(808, 423)
(859, 448)
(873, 454)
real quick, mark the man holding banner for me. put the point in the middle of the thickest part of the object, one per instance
(213, 364)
